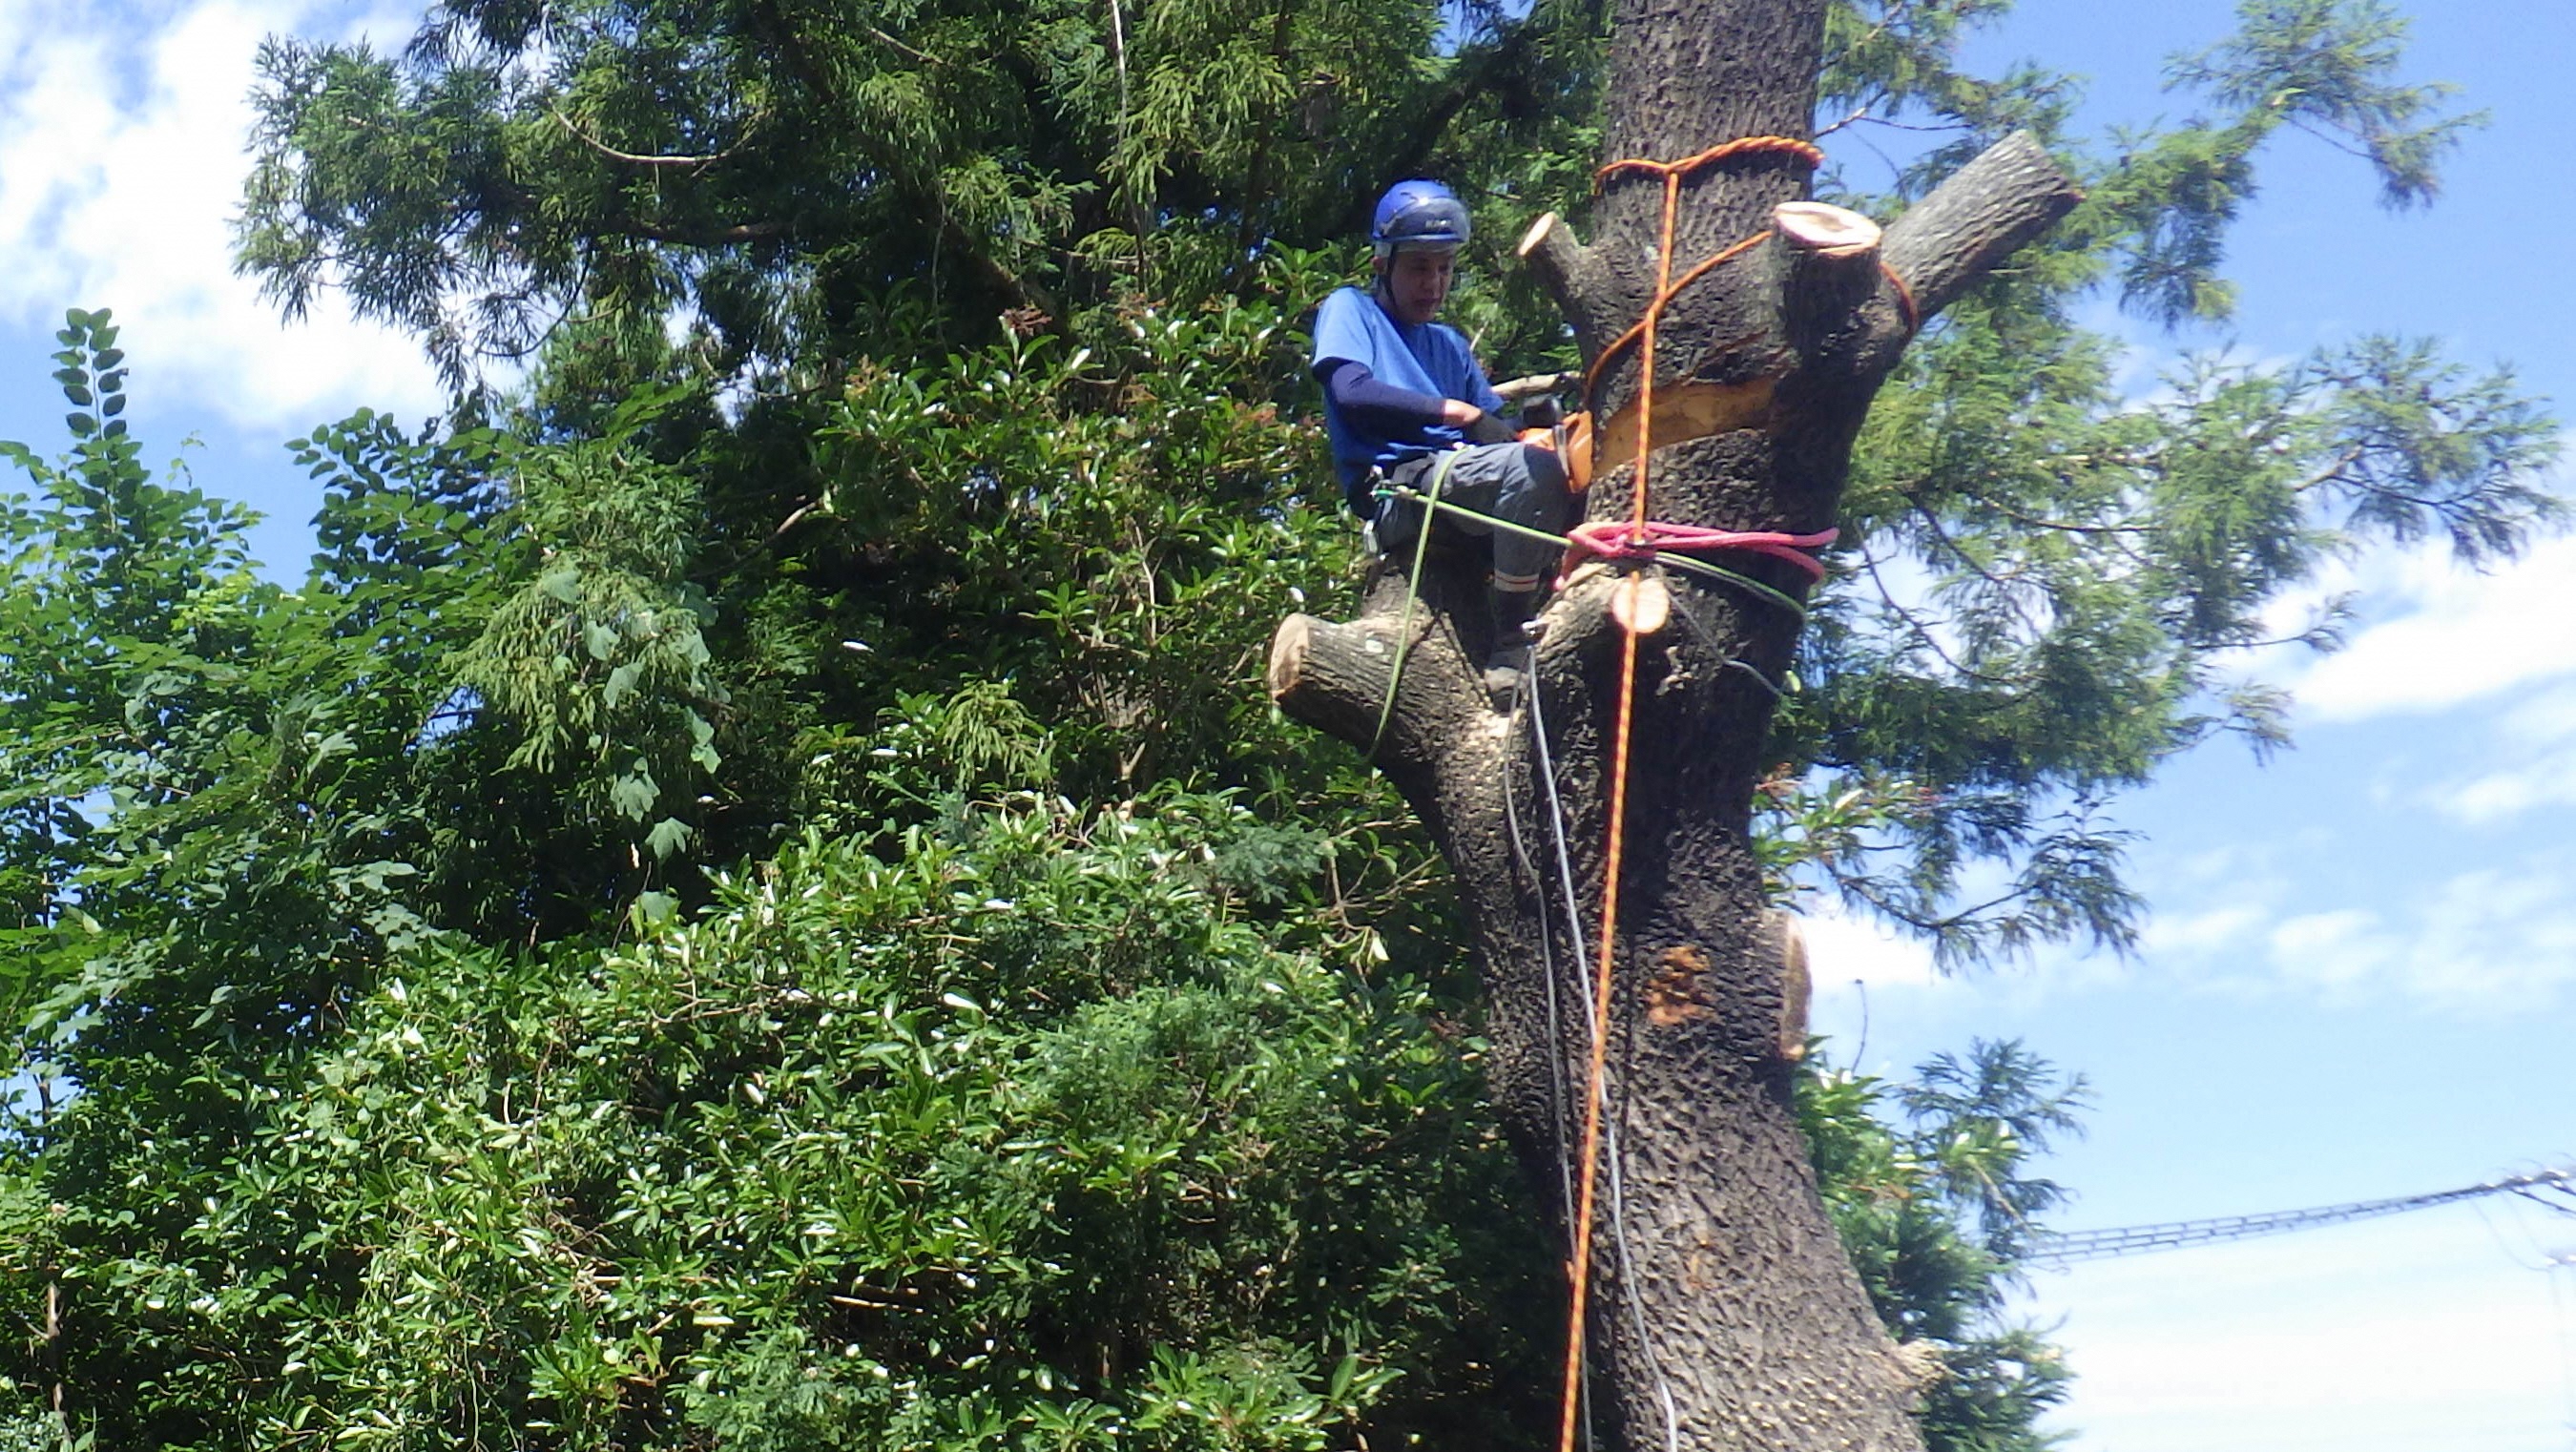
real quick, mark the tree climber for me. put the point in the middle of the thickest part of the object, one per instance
(1408, 407)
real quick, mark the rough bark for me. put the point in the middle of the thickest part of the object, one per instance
(1724, 1313)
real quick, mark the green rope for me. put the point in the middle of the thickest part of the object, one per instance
(1432, 503)
(1719, 573)
(1412, 589)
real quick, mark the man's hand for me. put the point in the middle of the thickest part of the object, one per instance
(1479, 426)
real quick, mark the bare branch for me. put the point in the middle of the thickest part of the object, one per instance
(1571, 275)
(1512, 389)
(629, 158)
(902, 49)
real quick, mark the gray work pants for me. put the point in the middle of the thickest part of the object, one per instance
(1508, 481)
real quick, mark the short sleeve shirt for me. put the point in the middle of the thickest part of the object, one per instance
(1432, 358)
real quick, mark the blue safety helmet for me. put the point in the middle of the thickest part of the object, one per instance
(1418, 213)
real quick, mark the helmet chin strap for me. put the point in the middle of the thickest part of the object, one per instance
(1386, 302)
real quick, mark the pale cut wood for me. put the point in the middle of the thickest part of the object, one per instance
(1642, 604)
(1824, 228)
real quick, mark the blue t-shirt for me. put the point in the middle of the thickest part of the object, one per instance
(1432, 358)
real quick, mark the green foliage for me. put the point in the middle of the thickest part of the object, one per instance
(600, 655)
(2051, 575)
(2052, 578)
(277, 1081)
(752, 896)
(777, 171)
(1937, 1210)
(2319, 65)
(968, 1117)
(1021, 1136)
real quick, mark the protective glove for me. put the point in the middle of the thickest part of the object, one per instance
(1490, 429)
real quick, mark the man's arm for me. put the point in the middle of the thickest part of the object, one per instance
(1452, 363)
(1381, 407)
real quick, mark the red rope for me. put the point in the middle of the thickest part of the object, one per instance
(1608, 540)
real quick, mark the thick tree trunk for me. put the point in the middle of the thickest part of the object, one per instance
(1724, 1313)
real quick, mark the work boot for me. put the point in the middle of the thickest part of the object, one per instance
(1506, 656)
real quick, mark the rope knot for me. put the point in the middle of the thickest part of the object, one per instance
(1612, 539)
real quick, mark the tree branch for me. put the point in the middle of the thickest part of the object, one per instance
(1922, 632)
(698, 236)
(1340, 679)
(1573, 276)
(1473, 71)
(630, 158)
(902, 49)
(1986, 210)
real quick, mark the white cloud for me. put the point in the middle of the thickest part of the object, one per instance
(121, 161)
(2480, 942)
(2477, 943)
(2530, 763)
(2385, 1337)
(2199, 933)
(1844, 950)
(2449, 637)
(1857, 964)
(2460, 636)
(2334, 951)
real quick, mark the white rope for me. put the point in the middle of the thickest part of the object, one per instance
(1618, 1197)
(1556, 1040)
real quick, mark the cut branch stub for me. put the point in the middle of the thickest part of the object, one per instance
(1825, 229)
(1344, 680)
(1574, 277)
(1828, 264)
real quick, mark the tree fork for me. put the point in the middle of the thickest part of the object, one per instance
(1725, 1312)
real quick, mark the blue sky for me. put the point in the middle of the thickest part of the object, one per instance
(2360, 980)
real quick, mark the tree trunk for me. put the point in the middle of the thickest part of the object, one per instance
(1723, 1311)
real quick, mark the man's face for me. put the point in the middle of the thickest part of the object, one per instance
(1417, 283)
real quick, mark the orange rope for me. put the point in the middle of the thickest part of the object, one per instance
(1600, 1046)
(1654, 310)
(1789, 146)
(1904, 299)
(1673, 172)
(1614, 855)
